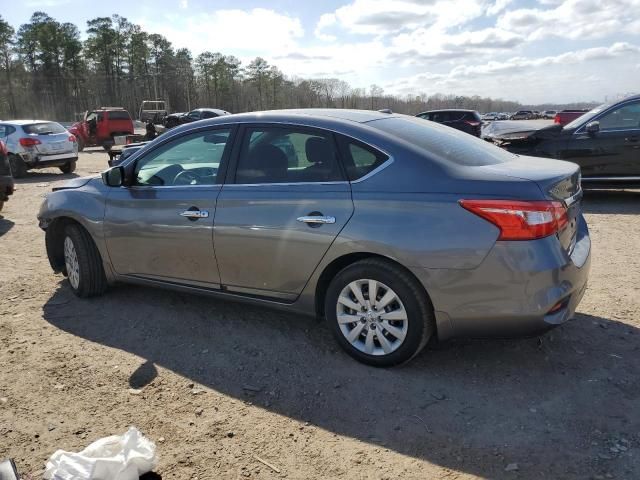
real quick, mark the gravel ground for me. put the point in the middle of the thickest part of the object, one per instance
(230, 391)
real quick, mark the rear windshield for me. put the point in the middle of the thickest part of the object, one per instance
(44, 128)
(119, 115)
(444, 142)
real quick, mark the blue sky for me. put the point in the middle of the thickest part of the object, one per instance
(531, 51)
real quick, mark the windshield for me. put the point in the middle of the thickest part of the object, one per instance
(44, 128)
(444, 142)
(585, 118)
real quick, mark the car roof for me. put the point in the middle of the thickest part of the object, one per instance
(26, 122)
(357, 116)
(466, 110)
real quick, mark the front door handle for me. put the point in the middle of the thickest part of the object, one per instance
(632, 139)
(194, 214)
(316, 219)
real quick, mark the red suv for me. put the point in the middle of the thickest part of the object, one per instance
(98, 127)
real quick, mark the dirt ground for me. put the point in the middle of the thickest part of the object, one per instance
(221, 386)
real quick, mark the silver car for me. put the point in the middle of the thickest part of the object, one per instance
(394, 229)
(34, 144)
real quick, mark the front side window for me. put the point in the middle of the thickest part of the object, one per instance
(195, 115)
(623, 118)
(287, 155)
(190, 160)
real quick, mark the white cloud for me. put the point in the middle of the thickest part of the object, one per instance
(184, 4)
(592, 74)
(574, 19)
(256, 30)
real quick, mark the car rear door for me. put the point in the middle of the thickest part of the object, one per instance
(285, 200)
(161, 227)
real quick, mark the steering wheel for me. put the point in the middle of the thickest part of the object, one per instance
(186, 177)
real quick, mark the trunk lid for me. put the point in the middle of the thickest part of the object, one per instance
(54, 144)
(558, 180)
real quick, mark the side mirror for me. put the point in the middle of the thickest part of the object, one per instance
(593, 127)
(113, 177)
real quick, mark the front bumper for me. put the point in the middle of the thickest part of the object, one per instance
(513, 291)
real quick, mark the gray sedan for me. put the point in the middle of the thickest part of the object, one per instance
(394, 229)
(34, 144)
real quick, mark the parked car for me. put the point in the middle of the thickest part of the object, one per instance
(6, 179)
(489, 117)
(127, 151)
(152, 111)
(386, 225)
(523, 115)
(100, 126)
(605, 142)
(503, 116)
(176, 119)
(567, 116)
(468, 121)
(34, 144)
(549, 114)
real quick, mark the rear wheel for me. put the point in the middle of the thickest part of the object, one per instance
(83, 265)
(379, 313)
(68, 167)
(18, 167)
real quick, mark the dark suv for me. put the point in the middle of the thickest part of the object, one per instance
(6, 179)
(468, 121)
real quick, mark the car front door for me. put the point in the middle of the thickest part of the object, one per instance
(613, 150)
(161, 226)
(285, 200)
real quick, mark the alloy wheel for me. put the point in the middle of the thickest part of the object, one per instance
(371, 317)
(71, 262)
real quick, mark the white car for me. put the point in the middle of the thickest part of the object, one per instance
(33, 144)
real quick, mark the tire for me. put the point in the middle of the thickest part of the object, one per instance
(68, 167)
(18, 167)
(411, 302)
(84, 272)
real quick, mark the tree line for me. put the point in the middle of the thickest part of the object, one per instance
(48, 71)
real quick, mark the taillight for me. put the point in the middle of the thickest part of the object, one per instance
(3, 149)
(473, 124)
(556, 119)
(29, 142)
(520, 220)
(72, 138)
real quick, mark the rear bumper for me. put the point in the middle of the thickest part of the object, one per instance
(513, 291)
(38, 160)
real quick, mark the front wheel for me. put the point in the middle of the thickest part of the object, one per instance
(83, 265)
(68, 167)
(379, 313)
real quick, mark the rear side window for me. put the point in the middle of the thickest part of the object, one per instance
(119, 115)
(443, 142)
(359, 159)
(43, 128)
(287, 155)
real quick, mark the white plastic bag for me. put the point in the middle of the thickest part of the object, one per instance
(120, 457)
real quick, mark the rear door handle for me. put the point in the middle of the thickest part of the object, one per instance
(632, 139)
(194, 214)
(316, 219)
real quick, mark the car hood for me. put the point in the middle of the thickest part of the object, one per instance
(73, 183)
(516, 131)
